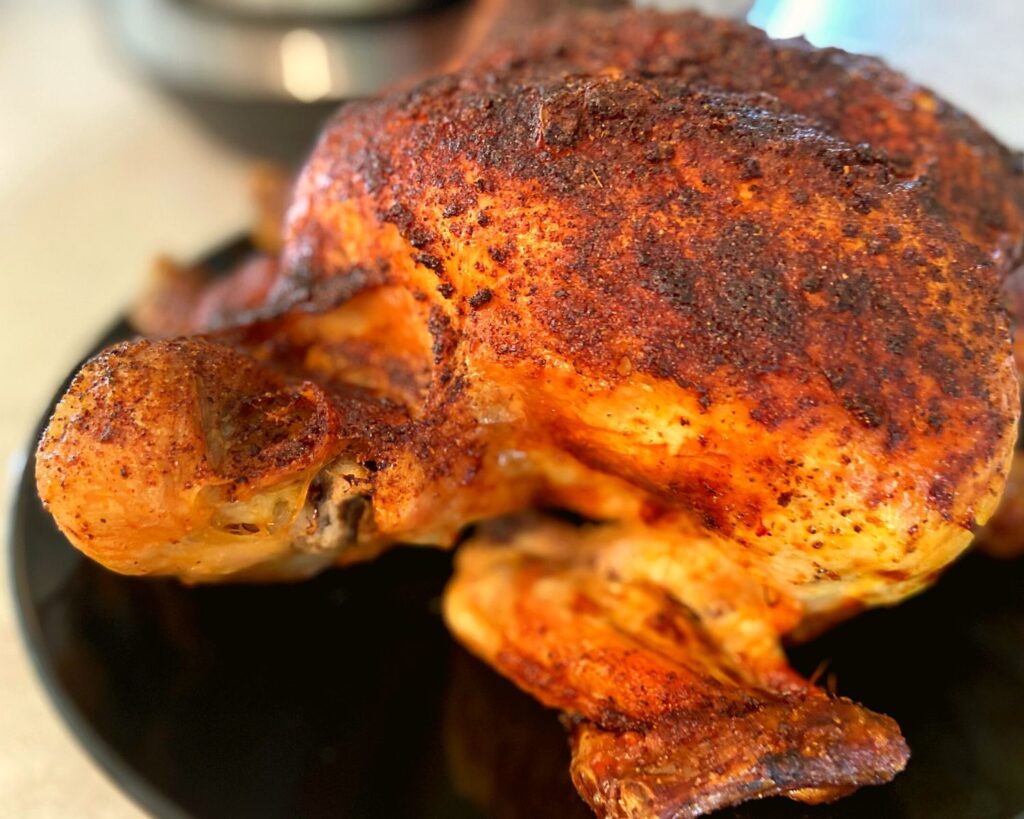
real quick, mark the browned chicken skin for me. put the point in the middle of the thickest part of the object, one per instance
(674, 713)
(768, 358)
(695, 298)
(975, 179)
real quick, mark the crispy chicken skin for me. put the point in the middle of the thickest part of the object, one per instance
(765, 357)
(975, 179)
(675, 713)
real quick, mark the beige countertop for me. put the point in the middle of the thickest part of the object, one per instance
(98, 174)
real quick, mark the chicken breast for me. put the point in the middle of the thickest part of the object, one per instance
(976, 180)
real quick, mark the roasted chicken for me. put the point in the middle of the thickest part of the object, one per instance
(769, 363)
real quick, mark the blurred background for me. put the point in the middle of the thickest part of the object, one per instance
(131, 128)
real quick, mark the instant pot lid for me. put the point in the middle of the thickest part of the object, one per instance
(306, 50)
(320, 8)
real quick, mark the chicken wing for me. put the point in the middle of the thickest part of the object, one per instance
(277, 449)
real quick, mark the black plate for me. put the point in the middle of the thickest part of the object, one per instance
(345, 697)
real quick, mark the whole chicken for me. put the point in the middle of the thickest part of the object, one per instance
(767, 363)
(978, 182)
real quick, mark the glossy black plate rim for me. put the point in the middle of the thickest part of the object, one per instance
(117, 769)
